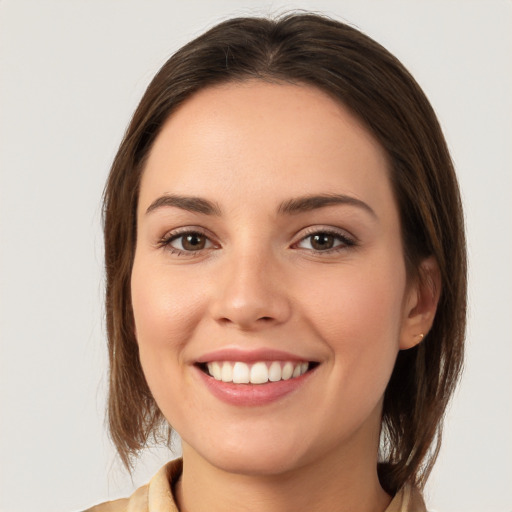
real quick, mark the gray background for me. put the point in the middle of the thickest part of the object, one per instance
(71, 74)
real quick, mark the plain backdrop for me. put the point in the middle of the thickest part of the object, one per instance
(72, 73)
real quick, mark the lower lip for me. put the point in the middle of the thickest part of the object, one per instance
(252, 394)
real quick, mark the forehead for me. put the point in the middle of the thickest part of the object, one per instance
(241, 137)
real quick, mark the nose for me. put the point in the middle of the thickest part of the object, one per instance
(251, 293)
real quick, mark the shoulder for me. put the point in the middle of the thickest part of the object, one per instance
(138, 501)
(407, 499)
(156, 496)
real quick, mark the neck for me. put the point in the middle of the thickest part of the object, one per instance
(316, 486)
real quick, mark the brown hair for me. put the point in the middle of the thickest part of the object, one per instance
(357, 71)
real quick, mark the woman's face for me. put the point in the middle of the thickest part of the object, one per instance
(269, 244)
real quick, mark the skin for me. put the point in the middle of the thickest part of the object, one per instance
(258, 282)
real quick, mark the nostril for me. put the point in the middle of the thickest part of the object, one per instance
(227, 321)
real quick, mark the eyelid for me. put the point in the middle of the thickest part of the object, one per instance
(180, 236)
(164, 242)
(348, 239)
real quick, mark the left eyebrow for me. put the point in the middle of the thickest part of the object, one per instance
(189, 203)
(313, 202)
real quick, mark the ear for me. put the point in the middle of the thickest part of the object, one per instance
(420, 304)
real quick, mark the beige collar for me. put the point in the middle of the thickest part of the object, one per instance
(157, 496)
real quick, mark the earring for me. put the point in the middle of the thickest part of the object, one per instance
(421, 336)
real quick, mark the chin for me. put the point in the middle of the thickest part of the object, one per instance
(265, 463)
(265, 458)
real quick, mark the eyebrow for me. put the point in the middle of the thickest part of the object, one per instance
(313, 202)
(189, 203)
(290, 207)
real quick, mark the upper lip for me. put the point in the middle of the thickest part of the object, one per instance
(249, 356)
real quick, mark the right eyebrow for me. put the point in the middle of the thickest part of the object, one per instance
(313, 202)
(189, 203)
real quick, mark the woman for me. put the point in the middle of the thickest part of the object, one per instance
(285, 274)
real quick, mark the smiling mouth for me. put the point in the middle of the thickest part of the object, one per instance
(260, 372)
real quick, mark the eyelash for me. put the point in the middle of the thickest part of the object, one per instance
(166, 241)
(346, 241)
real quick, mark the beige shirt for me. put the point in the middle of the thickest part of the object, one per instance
(157, 496)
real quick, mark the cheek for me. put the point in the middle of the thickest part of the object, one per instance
(358, 315)
(166, 311)
(354, 302)
(163, 307)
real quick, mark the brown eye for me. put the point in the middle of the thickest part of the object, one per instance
(322, 241)
(325, 241)
(193, 242)
(190, 242)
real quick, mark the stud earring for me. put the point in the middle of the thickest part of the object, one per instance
(421, 336)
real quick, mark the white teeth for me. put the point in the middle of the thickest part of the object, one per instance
(215, 370)
(226, 373)
(256, 373)
(259, 373)
(274, 372)
(240, 373)
(287, 371)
